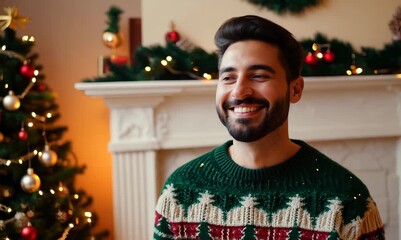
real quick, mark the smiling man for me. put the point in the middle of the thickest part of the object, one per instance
(263, 184)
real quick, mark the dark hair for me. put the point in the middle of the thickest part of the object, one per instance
(252, 27)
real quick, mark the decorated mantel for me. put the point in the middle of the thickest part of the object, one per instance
(158, 125)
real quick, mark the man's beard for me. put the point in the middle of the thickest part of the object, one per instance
(241, 129)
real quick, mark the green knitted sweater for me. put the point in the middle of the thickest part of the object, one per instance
(309, 196)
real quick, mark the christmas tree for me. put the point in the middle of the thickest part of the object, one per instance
(38, 199)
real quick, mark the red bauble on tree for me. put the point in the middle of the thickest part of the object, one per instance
(23, 135)
(172, 36)
(29, 232)
(40, 87)
(329, 56)
(311, 59)
(27, 70)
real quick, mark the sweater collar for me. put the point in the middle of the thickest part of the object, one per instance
(286, 168)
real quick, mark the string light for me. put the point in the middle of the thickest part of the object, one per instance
(148, 69)
(169, 58)
(207, 76)
(27, 38)
(163, 62)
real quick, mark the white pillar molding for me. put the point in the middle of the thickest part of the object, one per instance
(357, 115)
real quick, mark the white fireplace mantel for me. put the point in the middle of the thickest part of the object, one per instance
(148, 117)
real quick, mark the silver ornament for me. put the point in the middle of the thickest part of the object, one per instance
(30, 182)
(48, 158)
(11, 102)
(21, 220)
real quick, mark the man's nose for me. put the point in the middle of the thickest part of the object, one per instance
(242, 89)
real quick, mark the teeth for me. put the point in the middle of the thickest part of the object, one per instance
(244, 109)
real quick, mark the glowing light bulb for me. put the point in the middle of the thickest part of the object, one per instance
(147, 69)
(163, 62)
(169, 58)
(207, 76)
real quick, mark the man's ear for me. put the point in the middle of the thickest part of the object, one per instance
(296, 89)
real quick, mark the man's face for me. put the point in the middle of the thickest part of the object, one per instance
(252, 97)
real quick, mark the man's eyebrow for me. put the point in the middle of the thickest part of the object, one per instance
(226, 69)
(252, 67)
(263, 67)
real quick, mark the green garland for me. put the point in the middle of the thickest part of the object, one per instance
(283, 6)
(194, 63)
(371, 60)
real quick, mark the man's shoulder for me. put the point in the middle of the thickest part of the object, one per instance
(333, 174)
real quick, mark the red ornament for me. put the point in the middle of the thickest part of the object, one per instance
(172, 36)
(23, 135)
(329, 56)
(119, 60)
(27, 70)
(40, 87)
(29, 232)
(310, 59)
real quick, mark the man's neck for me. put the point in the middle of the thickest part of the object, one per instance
(266, 152)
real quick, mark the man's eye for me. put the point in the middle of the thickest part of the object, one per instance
(260, 77)
(227, 79)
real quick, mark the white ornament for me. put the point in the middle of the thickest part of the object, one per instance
(30, 182)
(48, 158)
(11, 102)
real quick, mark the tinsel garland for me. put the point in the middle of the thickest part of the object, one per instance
(284, 6)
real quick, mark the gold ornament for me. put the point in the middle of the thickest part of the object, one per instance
(12, 20)
(112, 40)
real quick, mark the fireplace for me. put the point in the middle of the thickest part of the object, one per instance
(157, 126)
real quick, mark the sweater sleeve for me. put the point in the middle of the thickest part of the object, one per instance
(367, 227)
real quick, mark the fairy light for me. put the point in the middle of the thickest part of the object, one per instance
(48, 115)
(27, 38)
(36, 72)
(88, 214)
(163, 62)
(30, 124)
(71, 225)
(169, 58)
(52, 191)
(195, 69)
(3, 48)
(8, 163)
(147, 69)
(207, 76)
(40, 192)
(20, 161)
(6, 86)
(76, 196)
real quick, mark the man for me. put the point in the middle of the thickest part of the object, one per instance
(262, 184)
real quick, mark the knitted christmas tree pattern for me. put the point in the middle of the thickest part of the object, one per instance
(256, 218)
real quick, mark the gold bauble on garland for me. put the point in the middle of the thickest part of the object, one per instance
(289, 6)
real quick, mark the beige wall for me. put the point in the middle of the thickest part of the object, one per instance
(68, 35)
(68, 41)
(361, 22)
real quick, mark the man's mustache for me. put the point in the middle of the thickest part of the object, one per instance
(249, 100)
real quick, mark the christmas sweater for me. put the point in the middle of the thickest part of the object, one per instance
(308, 196)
